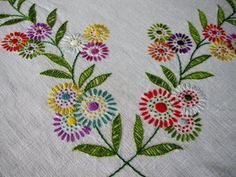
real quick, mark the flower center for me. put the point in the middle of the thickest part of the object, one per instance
(65, 96)
(93, 106)
(159, 32)
(14, 41)
(71, 121)
(182, 122)
(96, 33)
(161, 107)
(188, 97)
(94, 51)
(180, 42)
(161, 51)
(74, 43)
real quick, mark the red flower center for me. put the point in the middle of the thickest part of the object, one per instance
(14, 41)
(94, 51)
(161, 107)
(161, 51)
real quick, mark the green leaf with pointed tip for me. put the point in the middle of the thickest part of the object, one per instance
(32, 14)
(198, 75)
(138, 133)
(202, 18)
(61, 32)
(12, 1)
(158, 81)
(220, 15)
(56, 73)
(170, 75)
(85, 75)
(12, 22)
(232, 22)
(160, 149)
(232, 3)
(94, 150)
(97, 81)
(116, 132)
(51, 19)
(4, 16)
(19, 4)
(196, 61)
(194, 33)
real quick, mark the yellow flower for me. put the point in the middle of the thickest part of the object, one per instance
(96, 33)
(222, 51)
(62, 98)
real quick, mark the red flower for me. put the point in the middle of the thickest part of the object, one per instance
(14, 41)
(160, 108)
(214, 33)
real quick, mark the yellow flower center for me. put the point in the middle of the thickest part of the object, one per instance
(71, 121)
(96, 33)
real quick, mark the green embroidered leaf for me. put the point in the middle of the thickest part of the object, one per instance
(158, 81)
(97, 81)
(170, 75)
(12, 22)
(4, 16)
(85, 75)
(116, 132)
(198, 75)
(12, 1)
(202, 18)
(94, 150)
(196, 61)
(160, 149)
(56, 73)
(194, 33)
(61, 32)
(220, 15)
(32, 14)
(58, 60)
(51, 19)
(232, 3)
(138, 133)
(19, 4)
(232, 22)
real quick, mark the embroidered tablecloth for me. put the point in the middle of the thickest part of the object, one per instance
(96, 88)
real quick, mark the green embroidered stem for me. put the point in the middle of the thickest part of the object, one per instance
(227, 18)
(180, 68)
(57, 46)
(73, 68)
(111, 148)
(127, 162)
(22, 15)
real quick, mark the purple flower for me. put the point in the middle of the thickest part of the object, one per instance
(231, 40)
(180, 43)
(39, 31)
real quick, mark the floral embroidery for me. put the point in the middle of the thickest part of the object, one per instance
(214, 33)
(231, 41)
(31, 49)
(159, 32)
(39, 31)
(96, 33)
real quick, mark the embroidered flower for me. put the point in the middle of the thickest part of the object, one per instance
(14, 41)
(159, 32)
(94, 51)
(68, 128)
(192, 99)
(221, 51)
(31, 49)
(96, 33)
(63, 97)
(214, 33)
(231, 41)
(180, 43)
(160, 51)
(158, 107)
(185, 129)
(39, 31)
(73, 42)
(95, 107)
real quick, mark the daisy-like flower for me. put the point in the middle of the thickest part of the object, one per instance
(31, 49)
(159, 108)
(186, 128)
(159, 32)
(214, 33)
(68, 128)
(95, 108)
(180, 43)
(94, 51)
(39, 31)
(96, 33)
(62, 98)
(160, 51)
(73, 43)
(221, 51)
(231, 41)
(192, 98)
(14, 41)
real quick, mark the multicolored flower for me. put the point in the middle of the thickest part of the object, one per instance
(96, 33)
(68, 128)
(159, 32)
(32, 49)
(160, 108)
(63, 97)
(39, 31)
(187, 128)
(73, 42)
(214, 33)
(192, 98)
(14, 41)
(160, 51)
(94, 51)
(95, 107)
(180, 43)
(231, 41)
